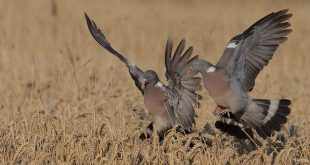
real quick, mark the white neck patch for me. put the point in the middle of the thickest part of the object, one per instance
(159, 84)
(211, 69)
(232, 45)
(132, 64)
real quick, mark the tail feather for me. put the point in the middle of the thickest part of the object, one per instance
(265, 116)
(233, 130)
(275, 112)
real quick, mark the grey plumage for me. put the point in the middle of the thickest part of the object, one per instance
(169, 105)
(230, 80)
(255, 47)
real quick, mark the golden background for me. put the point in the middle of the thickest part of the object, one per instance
(65, 100)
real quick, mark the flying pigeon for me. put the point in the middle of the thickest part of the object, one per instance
(171, 105)
(233, 77)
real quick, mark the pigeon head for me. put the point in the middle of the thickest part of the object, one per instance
(151, 77)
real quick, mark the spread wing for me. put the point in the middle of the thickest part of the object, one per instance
(135, 72)
(247, 53)
(183, 82)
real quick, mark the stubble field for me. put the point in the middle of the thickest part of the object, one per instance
(64, 100)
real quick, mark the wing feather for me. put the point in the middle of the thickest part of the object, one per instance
(254, 48)
(183, 81)
(135, 72)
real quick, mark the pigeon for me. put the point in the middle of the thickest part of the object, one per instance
(169, 106)
(233, 77)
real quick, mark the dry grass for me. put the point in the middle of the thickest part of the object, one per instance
(63, 100)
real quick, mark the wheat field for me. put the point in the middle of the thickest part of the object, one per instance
(64, 100)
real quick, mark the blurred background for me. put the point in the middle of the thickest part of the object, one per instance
(55, 78)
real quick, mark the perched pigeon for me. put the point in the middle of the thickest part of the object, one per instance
(171, 105)
(229, 81)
